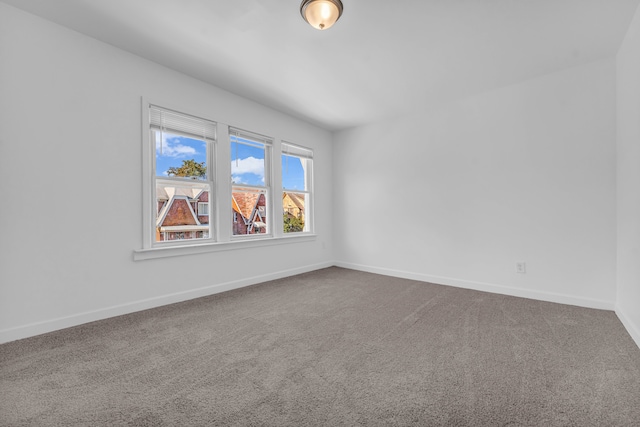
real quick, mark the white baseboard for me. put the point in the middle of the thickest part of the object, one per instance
(39, 328)
(633, 329)
(485, 287)
(34, 329)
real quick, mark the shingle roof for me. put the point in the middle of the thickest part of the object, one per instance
(296, 198)
(244, 203)
(177, 211)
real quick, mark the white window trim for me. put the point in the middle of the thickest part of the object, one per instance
(268, 143)
(206, 204)
(193, 249)
(149, 178)
(219, 207)
(310, 213)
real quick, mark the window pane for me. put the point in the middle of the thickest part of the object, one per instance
(293, 206)
(180, 156)
(249, 211)
(177, 211)
(294, 173)
(247, 162)
(203, 209)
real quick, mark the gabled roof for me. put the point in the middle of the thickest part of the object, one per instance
(244, 203)
(181, 204)
(165, 192)
(296, 198)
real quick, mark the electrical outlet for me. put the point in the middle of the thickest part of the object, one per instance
(521, 267)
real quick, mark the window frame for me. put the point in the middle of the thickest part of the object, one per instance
(151, 179)
(203, 204)
(305, 155)
(220, 209)
(254, 139)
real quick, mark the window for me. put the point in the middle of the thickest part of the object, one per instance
(182, 176)
(250, 178)
(189, 188)
(203, 209)
(296, 185)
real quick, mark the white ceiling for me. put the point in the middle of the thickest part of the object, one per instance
(381, 59)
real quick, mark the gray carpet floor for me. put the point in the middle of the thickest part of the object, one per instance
(334, 347)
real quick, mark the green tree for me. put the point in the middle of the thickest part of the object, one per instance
(292, 224)
(189, 168)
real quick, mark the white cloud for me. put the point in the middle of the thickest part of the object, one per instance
(248, 165)
(237, 180)
(171, 147)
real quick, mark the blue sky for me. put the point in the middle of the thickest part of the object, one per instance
(292, 173)
(247, 160)
(174, 149)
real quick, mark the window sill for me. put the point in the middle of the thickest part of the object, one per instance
(172, 251)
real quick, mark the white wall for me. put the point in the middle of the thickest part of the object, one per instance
(460, 194)
(453, 196)
(70, 168)
(628, 273)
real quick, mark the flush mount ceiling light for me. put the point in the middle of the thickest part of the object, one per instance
(321, 14)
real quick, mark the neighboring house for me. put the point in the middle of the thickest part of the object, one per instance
(183, 213)
(249, 213)
(293, 204)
